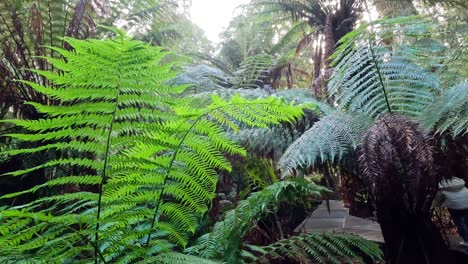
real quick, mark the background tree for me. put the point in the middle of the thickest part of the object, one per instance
(329, 21)
(27, 27)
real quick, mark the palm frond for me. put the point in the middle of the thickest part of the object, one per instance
(219, 63)
(253, 72)
(290, 38)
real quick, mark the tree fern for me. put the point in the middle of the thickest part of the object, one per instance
(376, 77)
(384, 66)
(331, 137)
(316, 248)
(397, 165)
(144, 159)
(202, 78)
(449, 112)
(253, 72)
(26, 27)
(224, 241)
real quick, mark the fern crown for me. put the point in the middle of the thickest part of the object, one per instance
(390, 65)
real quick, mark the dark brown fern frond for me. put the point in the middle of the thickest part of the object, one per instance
(307, 41)
(396, 158)
(397, 164)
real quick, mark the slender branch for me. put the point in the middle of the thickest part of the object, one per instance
(50, 33)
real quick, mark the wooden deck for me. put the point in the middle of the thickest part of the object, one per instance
(339, 220)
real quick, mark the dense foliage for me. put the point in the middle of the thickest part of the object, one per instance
(137, 162)
(155, 146)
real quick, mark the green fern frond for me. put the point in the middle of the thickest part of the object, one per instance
(118, 128)
(177, 258)
(331, 137)
(238, 222)
(272, 141)
(377, 78)
(316, 248)
(252, 71)
(449, 112)
(295, 32)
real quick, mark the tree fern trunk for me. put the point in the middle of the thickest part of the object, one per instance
(410, 238)
(397, 163)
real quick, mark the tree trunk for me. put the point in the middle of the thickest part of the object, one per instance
(410, 239)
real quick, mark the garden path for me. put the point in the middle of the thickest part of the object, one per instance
(339, 220)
